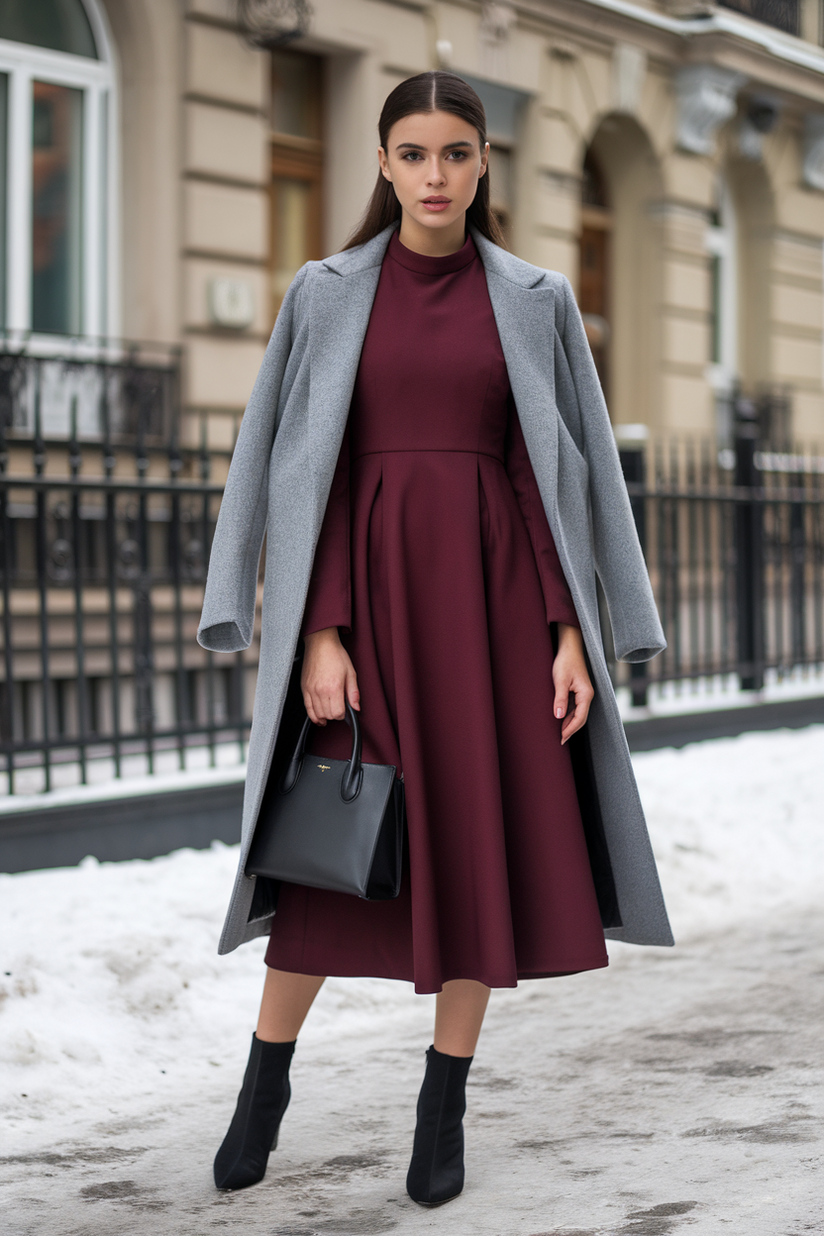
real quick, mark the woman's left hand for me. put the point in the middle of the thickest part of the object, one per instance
(570, 676)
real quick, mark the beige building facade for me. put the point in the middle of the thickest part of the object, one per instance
(167, 165)
(667, 156)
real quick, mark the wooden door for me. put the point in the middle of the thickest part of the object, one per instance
(297, 168)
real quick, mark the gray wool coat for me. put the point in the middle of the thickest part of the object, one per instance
(279, 482)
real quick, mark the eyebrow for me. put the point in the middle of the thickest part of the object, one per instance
(415, 146)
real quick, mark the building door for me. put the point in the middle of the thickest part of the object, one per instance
(593, 283)
(297, 167)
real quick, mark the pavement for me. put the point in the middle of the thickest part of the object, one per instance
(677, 1092)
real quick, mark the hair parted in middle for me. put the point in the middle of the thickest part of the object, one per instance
(435, 91)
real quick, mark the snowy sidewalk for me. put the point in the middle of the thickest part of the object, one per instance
(678, 1091)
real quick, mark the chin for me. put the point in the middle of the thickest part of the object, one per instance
(436, 221)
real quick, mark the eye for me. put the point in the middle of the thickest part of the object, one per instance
(458, 155)
(412, 156)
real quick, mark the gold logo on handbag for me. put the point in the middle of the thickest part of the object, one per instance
(324, 767)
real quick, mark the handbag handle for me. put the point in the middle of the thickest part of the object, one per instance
(351, 779)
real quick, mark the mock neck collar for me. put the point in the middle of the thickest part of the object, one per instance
(423, 264)
(496, 261)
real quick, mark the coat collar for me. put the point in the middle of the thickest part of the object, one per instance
(496, 260)
(363, 257)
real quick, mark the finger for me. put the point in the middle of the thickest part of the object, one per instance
(561, 698)
(352, 692)
(571, 725)
(577, 719)
(584, 695)
(324, 702)
(561, 704)
(335, 708)
(311, 711)
(324, 705)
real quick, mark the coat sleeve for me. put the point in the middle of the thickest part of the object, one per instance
(619, 561)
(228, 616)
(329, 600)
(557, 597)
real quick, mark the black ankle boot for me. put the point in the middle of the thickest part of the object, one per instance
(436, 1173)
(264, 1097)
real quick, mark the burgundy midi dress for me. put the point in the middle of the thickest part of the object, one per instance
(437, 565)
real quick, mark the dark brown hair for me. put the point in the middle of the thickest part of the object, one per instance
(435, 91)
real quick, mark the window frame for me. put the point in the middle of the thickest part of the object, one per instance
(721, 243)
(23, 64)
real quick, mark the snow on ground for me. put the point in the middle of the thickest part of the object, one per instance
(737, 824)
(111, 988)
(675, 1088)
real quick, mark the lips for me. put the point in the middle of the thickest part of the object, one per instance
(436, 204)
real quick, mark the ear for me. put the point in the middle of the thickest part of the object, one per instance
(384, 164)
(484, 160)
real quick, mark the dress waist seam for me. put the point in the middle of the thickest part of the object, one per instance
(434, 450)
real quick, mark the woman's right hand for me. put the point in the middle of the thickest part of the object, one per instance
(328, 678)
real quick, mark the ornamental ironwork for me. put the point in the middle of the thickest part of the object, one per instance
(271, 23)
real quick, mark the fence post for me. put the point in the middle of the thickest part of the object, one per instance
(631, 441)
(749, 550)
(798, 552)
(143, 632)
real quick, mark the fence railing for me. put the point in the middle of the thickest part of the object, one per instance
(106, 522)
(133, 388)
(105, 528)
(734, 542)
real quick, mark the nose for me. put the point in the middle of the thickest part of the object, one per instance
(435, 175)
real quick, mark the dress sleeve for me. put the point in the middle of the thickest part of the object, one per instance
(329, 600)
(557, 597)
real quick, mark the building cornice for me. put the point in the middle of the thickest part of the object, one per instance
(784, 47)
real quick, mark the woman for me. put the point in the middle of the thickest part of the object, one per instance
(429, 444)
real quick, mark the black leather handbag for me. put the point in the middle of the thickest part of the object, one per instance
(335, 824)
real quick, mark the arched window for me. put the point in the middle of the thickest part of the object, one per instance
(56, 167)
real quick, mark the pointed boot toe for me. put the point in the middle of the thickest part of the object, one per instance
(253, 1133)
(436, 1172)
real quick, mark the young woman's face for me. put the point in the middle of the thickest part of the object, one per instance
(434, 161)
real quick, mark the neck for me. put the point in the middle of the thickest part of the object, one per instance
(430, 241)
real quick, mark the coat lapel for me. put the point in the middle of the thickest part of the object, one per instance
(342, 300)
(523, 302)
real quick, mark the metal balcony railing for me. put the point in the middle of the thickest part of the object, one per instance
(781, 14)
(105, 529)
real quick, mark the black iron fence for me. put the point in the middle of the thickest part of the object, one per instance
(106, 520)
(105, 526)
(734, 542)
